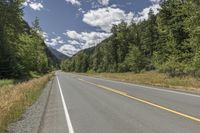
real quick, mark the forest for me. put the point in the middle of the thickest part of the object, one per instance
(168, 42)
(22, 49)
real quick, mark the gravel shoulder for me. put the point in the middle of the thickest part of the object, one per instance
(31, 120)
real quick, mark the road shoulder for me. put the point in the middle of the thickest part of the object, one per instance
(31, 119)
(54, 120)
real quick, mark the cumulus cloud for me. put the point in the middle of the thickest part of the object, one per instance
(34, 5)
(76, 41)
(155, 1)
(81, 10)
(86, 39)
(113, 5)
(73, 42)
(26, 2)
(104, 2)
(104, 18)
(44, 35)
(60, 45)
(68, 50)
(74, 2)
(143, 15)
(53, 42)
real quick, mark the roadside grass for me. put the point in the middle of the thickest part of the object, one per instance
(153, 78)
(6, 82)
(15, 99)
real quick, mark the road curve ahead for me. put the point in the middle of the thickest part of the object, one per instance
(81, 104)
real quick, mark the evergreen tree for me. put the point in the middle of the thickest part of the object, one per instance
(22, 49)
(168, 42)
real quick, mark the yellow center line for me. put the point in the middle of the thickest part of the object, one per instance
(143, 101)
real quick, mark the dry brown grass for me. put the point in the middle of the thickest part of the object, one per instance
(15, 99)
(186, 83)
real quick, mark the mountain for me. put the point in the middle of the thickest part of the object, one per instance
(57, 54)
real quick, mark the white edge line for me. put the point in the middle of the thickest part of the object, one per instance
(135, 85)
(69, 124)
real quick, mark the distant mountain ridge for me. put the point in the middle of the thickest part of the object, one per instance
(57, 54)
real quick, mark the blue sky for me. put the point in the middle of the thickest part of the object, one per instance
(72, 25)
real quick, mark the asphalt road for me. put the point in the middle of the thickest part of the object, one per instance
(81, 104)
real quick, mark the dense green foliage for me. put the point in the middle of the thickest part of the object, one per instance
(22, 49)
(168, 42)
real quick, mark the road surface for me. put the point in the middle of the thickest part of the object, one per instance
(81, 104)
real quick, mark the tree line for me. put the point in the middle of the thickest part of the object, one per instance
(22, 49)
(168, 42)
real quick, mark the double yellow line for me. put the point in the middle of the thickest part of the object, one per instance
(143, 101)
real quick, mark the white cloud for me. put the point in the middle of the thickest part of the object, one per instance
(73, 42)
(104, 2)
(76, 42)
(44, 35)
(26, 3)
(74, 2)
(60, 45)
(113, 5)
(34, 5)
(104, 18)
(143, 15)
(81, 10)
(53, 42)
(155, 1)
(68, 50)
(86, 39)
(73, 35)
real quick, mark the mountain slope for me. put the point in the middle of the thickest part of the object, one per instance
(167, 42)
(57, 54)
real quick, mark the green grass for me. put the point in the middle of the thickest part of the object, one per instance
(186, 83)
(15, 99)
(6, 82)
